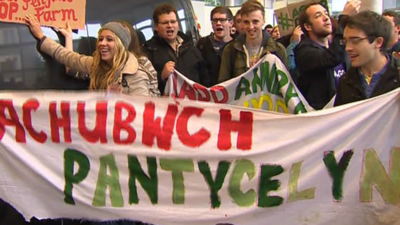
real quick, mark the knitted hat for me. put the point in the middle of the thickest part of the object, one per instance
(119, 29)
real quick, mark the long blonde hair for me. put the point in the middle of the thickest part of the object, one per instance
(102, 74)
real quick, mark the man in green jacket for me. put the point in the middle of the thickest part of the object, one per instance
(248, 48)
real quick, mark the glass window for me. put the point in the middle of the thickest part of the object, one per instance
(91, 31)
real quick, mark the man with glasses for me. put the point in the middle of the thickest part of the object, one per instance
(373, 71)
(248, 48)
(211, 46)
(320, 58)
(169, 50)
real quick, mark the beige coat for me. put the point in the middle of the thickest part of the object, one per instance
(134, 82)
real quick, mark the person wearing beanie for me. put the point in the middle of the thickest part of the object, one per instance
(112, 67)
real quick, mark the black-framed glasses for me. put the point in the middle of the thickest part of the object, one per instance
(221, 20)
(355, 40)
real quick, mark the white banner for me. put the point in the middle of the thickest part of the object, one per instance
(172, 162)
(267, 85)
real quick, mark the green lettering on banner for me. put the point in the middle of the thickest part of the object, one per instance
(266, 185)
(243, 86)
(283, 80)
(177, 167)
(337, 171)
(72, 156)
(294, 194)
(290, 92)
(112, 181)
(241, 167)
(214, 185)
(149, 183)
(258, 81)
(271, 78)
(374, 174)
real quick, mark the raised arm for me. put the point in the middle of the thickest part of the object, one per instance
(67, 32)
(57, 51)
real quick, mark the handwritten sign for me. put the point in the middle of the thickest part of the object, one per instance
(287, 17)
(48, 12)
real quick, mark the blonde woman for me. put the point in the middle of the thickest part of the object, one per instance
(112, 66)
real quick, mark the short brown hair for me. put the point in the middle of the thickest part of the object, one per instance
(304, 18)
(373, 25)
(238, 13)
(396, 17)
(163, 9)
(251, 6)
(222, 10)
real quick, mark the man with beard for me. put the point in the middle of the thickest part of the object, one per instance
(248, 48)
(373, 72)
(321, 62)
(170, 49)
(211, 46)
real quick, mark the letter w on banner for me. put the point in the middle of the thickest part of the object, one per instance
(267, 86)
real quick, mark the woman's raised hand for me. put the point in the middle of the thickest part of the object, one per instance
(34, 26)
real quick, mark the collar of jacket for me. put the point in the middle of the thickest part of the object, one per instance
(306, 41)
(131, 67)
(241, 40)
(354, 76)
(156, 40)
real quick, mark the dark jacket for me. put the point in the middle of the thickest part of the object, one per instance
(316, 64)
(234, 58)
(189, 61)
(350, 87)
(395, 48)
(9, 215)
(211, 56)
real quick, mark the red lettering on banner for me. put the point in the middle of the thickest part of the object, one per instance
(7, 10)
(198, 92)
(202, 93)
(244, 127)
(222, 90)
(152, 126)
(187, 90)
(27, 108)
(60, 122)
(12, 121)
(120, 124)
(99, 131)
(186, 138)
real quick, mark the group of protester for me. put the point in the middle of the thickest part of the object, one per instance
(325, 57)
(354, 58)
